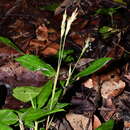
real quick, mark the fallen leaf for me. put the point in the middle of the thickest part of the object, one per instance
(126, 124)
(88, 83)
(42, 33)
(79, 122)
(111, 88)
(96, 122)
(51, 49)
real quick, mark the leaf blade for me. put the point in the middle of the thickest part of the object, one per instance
(95, 66)
(4, 127)
(35, 114)
(33, 63)
(8, 42)
(26, 93)
(44, 94)
(8, 117)
(107, 125)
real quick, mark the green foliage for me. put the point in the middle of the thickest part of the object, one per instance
(95, 66)
(66, 57)
(8, 117)
(45, 99)
(106, 31)
(34, 63)
(42, 97)
(8, 42)
(120, 1)
(107, 11)
(61, 105)
(44, 94)
(35, 114)
(4, 127)
(26, 93)
(29, 124)
(50, 7)
(107, 125)
(55, 99)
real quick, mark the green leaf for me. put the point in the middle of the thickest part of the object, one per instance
(4, 127)
(42, 129)
(26, 93)
(107, 11)
(8, 42)
(44, 94)
(55, 99)
(66, 55)
(35, 114)
(93, 67)
(8, 117)
(61, 105)
(51, 7)
(107, 125)
(105, 29)
(34, 63)
(120, 1)
(29, 124)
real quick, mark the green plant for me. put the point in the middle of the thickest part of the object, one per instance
(50, 7)
(45, 99)
(107, 11)
(106, 31)
(107, 125)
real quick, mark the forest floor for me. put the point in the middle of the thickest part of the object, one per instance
(34, 26)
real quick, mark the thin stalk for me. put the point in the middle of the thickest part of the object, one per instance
(69, 76)
(111, 16)
(36, 125)
(49, 122)
(56, 79)
(83, 50)
(21, 125)
(65, 27)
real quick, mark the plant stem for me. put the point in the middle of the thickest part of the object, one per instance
(36, 125)
(32, 103)
(21, 125)
(112, 19)
(83, 50)
(56, 78)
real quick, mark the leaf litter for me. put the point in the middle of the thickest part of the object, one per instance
(97, 98)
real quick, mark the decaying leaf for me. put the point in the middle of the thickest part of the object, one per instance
(51, 49)
(42, 33)
(79, 122)
(96, 122)
(127, 124)
(111, 88)
(64, 4)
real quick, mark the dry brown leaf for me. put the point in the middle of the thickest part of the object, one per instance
(96, 122)
(51, 49)
(112, 88)
(93, 82)
(127, 124)
(34, 43)
(64, 4)
(79, 122)
(88, 83)
(77, 38)
(42, 33)
(127, 76)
